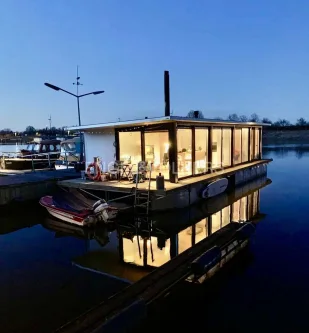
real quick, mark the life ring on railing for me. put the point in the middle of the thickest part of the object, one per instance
(97, 171)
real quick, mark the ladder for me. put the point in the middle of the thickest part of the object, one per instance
(142, 197)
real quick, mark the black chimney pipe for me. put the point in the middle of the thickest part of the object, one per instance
(167, 93)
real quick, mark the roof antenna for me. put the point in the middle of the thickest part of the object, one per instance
(50, 121)
(77, 83)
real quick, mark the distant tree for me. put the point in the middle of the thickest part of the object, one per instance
(243, 118)
(266, 121)
(6, 131)
(301, 122)
(30, 130)
(218, 118)
(282, 123)
(233, 117)
(191, 114)
(254, 118)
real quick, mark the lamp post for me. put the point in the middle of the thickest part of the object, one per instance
(77, 96)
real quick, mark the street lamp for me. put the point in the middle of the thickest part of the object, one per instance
(77, 96)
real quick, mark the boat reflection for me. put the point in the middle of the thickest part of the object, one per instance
(136, 247)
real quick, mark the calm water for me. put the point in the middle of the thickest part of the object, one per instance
(11, 148)
(51, 273)
(269, 292)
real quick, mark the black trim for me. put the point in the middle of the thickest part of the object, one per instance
(172, 153)
(209, 152)
(117, 145)
(232, 146)
(193, 151)
(143, 145)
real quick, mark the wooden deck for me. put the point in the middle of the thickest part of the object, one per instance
(126, 186)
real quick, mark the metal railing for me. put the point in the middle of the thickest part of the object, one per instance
(34, 158)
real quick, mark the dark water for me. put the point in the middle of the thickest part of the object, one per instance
(51, 273)
(269, 292)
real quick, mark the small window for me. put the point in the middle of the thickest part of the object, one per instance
(51, 148)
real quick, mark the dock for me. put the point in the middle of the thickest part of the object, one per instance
(31, 185)
(127, 308)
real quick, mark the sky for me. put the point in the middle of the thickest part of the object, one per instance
(240, 56)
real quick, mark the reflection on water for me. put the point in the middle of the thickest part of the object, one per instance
(285, 151)
(52, 271)
(151, 242)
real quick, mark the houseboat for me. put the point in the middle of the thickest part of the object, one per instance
(39, 154)
(190, 154)
(70, 155)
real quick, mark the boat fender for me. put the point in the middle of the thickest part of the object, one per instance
(99, 206)
(206, 261)
(245, 231)
(204, 192)
(97, 171)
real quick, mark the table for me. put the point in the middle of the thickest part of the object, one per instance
(126, 171)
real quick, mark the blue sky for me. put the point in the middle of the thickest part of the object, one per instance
(224, 56)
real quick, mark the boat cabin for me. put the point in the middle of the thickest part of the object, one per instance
(176, 147)
(41, 146)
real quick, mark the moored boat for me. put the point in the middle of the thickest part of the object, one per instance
(70, 155)
(76, 209)
(39, 154)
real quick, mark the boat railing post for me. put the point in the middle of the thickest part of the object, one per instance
(66, 159)
(49, 164)
(32, 161)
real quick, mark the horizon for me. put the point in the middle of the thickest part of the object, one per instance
(223, 58)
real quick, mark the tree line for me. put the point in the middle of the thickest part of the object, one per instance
(253, 118)
(31, 131)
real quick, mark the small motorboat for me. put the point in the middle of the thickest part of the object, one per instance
(78, 210)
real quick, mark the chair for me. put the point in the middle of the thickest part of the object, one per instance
(141, 171)
(115, 170)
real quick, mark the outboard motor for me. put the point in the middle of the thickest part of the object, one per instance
(100, 207)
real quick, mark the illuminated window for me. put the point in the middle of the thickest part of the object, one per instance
(216, 148)
(237, 146)
(184, 155)
(244, 144)
(156, 152)
(130, 147)
(201, 144)
(227, 146)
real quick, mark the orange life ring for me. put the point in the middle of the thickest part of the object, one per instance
(97, 170)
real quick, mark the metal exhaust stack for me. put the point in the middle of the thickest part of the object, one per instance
(167, 93)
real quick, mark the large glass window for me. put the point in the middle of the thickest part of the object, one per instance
(237, 146)
(244, 144)
(201, 145)
(251, 144)
(216, 148)
(130, 147)
(227, 146)
(156, 152)
(184, 146)
(257, 143)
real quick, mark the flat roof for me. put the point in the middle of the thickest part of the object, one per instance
(150, 121)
